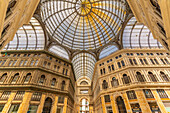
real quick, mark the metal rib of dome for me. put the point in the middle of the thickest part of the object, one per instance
(83, 24)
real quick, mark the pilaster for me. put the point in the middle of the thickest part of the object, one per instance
(8, 104)
(40, 108)
(103, 104)
(54, 108)
(65, 105)
(159, 101)
(25, 103)
(143, 102)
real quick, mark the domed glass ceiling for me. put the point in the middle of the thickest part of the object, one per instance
(83, 24)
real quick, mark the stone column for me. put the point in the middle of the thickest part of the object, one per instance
(91, 109)
(8, 104)
(54, 108)
(25, 103)
(126, 101)
(143, 102)
(40, 108)
(113, 102)
(159, 101)
(103, 104)
(65, 105)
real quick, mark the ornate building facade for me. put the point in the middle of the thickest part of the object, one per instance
(84, 56)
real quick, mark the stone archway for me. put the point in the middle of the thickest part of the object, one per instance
(47, 105)
(121, 105)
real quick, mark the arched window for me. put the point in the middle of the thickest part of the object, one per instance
(104, 71)
(119, 65)
(123, 63)
(27, 78)
(42, 79)
(63, 85)
(109, 68)
(167, 62)
(121, 105)
(84, 83)
(101, 71)
(47, 105)
(114, 82)
(3, 78)
(130, 60)
(156, 5)
(15, 78)
(105, 84)
(164, 76)
(113, 67)
(11, 5)
(126, 79)
(84, 106)
(53, 82)
(140, 77)
(134, 60)
(152, 77)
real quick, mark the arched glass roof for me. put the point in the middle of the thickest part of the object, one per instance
(83, 24)
(58, 50)
(136, 35)
(83, 64)
(107, 51)
(29, 37)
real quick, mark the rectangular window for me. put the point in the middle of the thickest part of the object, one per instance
(32, 62)
(36, 96)
(59, 110)
(148, 93)
(61, 99)
(25, 63)
(36, 62)
(1, 107)
(32, 109)
(21, 63)
(107, 98)
(3, 62)
(5, 95)
(10, 62)
(19, 95)
(131, 95)
(84, 91)
(162, 93)
(14, 62)
(14, 108)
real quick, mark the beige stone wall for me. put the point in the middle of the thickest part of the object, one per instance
(135, 84)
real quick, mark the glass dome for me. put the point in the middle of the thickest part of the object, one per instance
(83, 24)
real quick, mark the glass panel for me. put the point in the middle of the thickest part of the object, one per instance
(83, 24)
(32, 109)
(136, 35)
(29, 37)
(14, 108)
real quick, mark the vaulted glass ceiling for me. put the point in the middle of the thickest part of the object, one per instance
(83, 24)
(29, 37)
(136, 35)
(83, 64)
